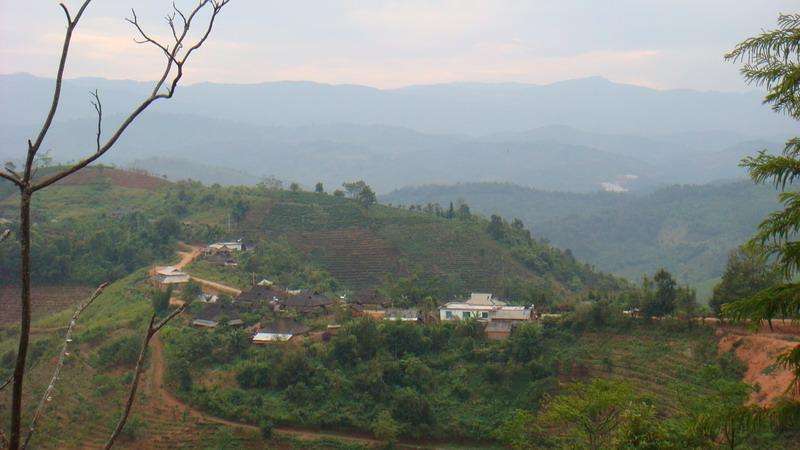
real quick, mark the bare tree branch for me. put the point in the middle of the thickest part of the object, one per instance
(61, 358)
(152, 329)
(6, 383)
(29, 186)
(34, 146)
(172, 61)
(98, 106)
(11, 176)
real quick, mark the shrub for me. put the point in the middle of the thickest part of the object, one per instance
(122, 351)
(385, 427)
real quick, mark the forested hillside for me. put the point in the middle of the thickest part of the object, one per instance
(115, 221)
(687, 229)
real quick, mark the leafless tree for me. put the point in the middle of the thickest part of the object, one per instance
(176, 53)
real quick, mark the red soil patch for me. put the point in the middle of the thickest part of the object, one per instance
(45, 300)
(117, 177)
(759, 351)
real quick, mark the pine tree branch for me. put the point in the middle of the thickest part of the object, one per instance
(61, 359)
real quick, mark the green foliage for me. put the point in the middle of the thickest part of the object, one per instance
(748, 271)
(123, 351)
(385, 427)
(190, 291)
(279, 261)
(266, 427)
(160, 300)
(94, 249)
(594, 409)
(641, 428)
(770, 60)
(519, 431)
(662, 301)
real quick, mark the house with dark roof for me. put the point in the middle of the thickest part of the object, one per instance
(306, 302)
(279, 330)
(211, 314)
(262, 294)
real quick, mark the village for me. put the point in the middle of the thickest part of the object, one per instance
(272, 313)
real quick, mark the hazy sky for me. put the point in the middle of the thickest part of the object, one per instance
(657, 43)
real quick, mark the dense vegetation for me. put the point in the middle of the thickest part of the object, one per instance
(688, 230)
(447, 381)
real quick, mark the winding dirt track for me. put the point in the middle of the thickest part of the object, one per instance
(156, 374)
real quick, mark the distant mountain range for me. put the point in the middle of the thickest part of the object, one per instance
(579, 135)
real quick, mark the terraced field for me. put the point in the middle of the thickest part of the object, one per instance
(45, 300)
(354, 256)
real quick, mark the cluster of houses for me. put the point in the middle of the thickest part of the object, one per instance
(499, 317)
(265, 294)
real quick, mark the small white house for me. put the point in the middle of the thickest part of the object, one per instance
(485, 308)
(234, 246)
(263, 338)
(171, 275)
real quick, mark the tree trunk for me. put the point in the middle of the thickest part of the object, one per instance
(25, 321)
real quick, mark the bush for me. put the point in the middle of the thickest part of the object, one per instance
(266, 426)
(385, 427)
(123, 351)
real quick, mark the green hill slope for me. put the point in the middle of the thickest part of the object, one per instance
(362, 248)
(687, 229)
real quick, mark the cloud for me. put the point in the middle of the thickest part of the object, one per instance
(416, 19)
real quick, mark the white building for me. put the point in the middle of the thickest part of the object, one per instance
(263, 338)
(171, 275)
(484, 307)
(236, 246)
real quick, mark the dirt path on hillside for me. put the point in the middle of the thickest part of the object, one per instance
(218, 288)
(759, 350)
(156, 374)
(187, 256)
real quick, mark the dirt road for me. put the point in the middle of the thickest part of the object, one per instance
(217, 288)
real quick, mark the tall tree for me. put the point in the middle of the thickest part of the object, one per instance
(662, 301)
(771, 60)
(367, 197)
(176, 54)
(747, 272)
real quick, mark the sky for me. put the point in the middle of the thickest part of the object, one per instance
(664, 44)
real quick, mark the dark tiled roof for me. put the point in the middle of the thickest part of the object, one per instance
(284, 326)
(214, 311)
(370, 297)
(306, 299)
(259, 294)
